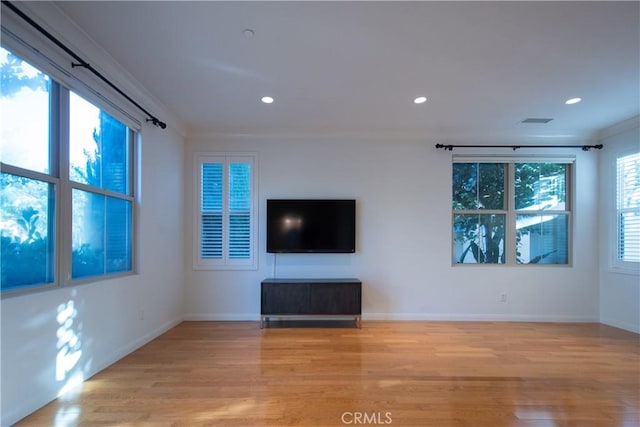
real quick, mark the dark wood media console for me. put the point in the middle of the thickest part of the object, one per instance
(311, 297)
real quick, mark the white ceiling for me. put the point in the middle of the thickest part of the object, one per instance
(355, 67)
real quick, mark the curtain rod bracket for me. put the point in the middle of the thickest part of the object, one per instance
(158, 123)
(83, 65)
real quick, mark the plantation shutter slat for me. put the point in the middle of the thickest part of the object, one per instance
(239, 211)
(211, 211)
(628, 208)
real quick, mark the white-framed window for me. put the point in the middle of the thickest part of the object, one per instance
(627, 213)
(512, 211)
(101, 181)
(66, 200)
(225, 211)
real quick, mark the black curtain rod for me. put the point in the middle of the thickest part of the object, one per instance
(84, 64)
(516, 147)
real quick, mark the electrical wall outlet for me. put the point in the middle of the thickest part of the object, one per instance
(503, 297)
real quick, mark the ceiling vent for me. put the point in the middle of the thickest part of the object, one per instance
(536, 120)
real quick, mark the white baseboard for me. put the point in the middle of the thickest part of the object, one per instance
(480, 317)
(232, 317)
(621, 325)
(133, 346)
(243, 317)
(36, 401)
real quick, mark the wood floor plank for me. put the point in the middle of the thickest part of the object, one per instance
(387, 373)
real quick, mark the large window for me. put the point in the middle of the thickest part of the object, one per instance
(511, 212)
(225, 212)
(628, 209)
(67, 194)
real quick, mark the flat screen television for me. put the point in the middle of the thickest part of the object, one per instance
(311, 226)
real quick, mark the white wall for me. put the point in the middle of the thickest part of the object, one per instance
(113, 317)
(619, 292)
(403, 194)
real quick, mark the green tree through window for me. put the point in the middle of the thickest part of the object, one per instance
(537, 214)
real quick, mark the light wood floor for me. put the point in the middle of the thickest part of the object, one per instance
(387, 373)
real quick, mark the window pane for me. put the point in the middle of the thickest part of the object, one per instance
(239, 235)
(88, 224)
(24, 107)
(239, 210)
(212, 187)
(99, 147)
(628, 168)
(540, 186)
(102, 234)
(119, 235)
(211, 211)
(26, 222)
(211, 233)
(542, 239)
(478, 186)
(629, 236)
(478, 239)
(628, 206)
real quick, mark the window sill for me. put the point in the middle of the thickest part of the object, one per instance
(630, 271)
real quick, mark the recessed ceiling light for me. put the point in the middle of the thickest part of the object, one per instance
(420, 100)
(573, 101)
(267, 99)
(248, 33)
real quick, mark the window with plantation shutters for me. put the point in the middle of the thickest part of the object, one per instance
(628, 208)
(225, 220)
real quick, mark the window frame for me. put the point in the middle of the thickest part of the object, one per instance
(510, 210)
(225, 262)
(617, 265)
(59, 177)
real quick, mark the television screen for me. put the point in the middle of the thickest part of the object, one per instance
(311, 226)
